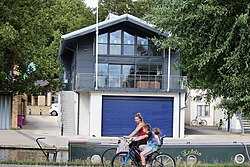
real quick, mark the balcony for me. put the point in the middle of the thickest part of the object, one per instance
(147, 83)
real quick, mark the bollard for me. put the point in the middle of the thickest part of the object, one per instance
(62, 130)
(41, 112)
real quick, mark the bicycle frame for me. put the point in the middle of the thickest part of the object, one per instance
(127, 157)
(137, 152)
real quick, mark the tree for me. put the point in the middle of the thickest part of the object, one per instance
(213, 36)
(137, 8)
(30, 31)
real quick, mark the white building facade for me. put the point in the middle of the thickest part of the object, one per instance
(133, 76)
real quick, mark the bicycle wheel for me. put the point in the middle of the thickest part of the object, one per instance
(203, 122)
(163, 160)
(107, 156)
(122, 159)
(194, 122)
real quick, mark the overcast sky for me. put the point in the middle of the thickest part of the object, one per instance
(91, 3)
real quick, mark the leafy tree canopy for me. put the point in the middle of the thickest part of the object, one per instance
(213, 36)
(137, 8)
(30, 31)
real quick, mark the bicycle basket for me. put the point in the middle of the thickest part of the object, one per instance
(123, 147)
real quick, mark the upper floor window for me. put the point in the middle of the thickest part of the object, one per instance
(203, 110)
(123, 43)
(103, 44)
(129, 44)
(142, 46)
(115, 43)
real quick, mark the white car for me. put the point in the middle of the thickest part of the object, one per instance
(54, 109)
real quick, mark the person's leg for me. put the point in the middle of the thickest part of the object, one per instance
(142, 147)
(147, 150)
(143, 160)
(141, 142)
(133, 143)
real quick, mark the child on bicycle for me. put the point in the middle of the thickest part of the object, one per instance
(152, 143)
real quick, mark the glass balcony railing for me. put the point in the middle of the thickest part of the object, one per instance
(142, 82)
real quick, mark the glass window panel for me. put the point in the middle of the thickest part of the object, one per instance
(115, 49)
(142, 41)
(153, 70)
(142, 69)
(114, 75)
(128, 38)
(142, 50)
(153, 50)
(129, 50)
(103, 38)
(102, 49)
(102, 75)
(115, 37)
(102, 69)
(128, 72)
(203, 110)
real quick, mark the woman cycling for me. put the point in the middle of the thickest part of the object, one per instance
(139, 130)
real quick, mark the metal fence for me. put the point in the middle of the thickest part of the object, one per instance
(5, 111)
(144, 82)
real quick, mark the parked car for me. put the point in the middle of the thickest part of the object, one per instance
(54, 109)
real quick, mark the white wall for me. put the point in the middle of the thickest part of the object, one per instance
(95, 127)
(84, 114)
(93, 111)
(235, 126)
(69, 110)
(192, 108)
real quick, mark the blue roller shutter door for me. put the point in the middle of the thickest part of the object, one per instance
(118, 114)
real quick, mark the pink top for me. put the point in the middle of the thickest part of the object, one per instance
(141, 132)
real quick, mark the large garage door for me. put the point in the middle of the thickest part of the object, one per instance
(118, 114)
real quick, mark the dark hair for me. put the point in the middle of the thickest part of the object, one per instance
(156, 131)
(139, 116)
(147, 126)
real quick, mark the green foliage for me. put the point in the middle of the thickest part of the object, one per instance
(213, 36)
(137, 8)
(30, 31)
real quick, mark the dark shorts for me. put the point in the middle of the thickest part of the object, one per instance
(138, 143)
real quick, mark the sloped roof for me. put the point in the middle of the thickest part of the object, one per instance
(107, 23)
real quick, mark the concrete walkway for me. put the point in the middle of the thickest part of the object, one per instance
(37, 126)
(47, 126)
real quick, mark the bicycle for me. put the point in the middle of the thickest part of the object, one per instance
(108, 154)
(196, 122)
(132, 158)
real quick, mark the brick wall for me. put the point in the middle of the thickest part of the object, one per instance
(19, 106)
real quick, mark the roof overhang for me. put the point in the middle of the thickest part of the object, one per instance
(105, 24)
(108, 23)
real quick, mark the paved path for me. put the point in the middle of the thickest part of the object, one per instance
(12, 165)
(37, 126)
(47, 126)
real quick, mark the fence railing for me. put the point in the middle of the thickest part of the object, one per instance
(155, 82)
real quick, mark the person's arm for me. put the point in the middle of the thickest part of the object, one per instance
(141, 137)
(158, 139)
(136, 130)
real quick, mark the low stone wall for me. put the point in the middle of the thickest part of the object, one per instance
(38, 110)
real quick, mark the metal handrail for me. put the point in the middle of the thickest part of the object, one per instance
(37, 141)
(131, 81)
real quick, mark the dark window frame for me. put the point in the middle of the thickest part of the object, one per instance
(135, 45)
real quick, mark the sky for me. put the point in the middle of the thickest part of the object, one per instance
(91, 3)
